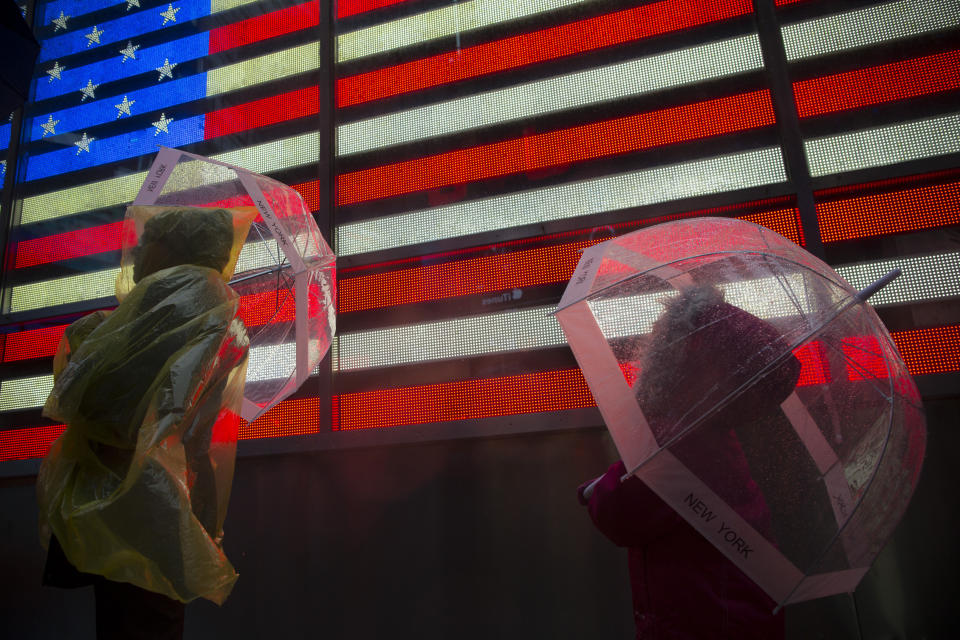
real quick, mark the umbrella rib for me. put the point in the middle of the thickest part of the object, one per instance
(776, 362)
(591, 294)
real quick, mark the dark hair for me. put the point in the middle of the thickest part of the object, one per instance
(202, 237)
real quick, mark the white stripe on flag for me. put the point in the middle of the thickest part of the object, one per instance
(869, 26)
(439, 23)
(266, 157)
(649, 186)
(571, 91)
(881, 146)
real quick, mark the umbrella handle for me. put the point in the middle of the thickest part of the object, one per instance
(588, 490)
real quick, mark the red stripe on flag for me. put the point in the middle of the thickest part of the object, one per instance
(530, 48)
(464, 400)
(263, 27)
(33, 343)
(499, 272)
(531, 267)
(889, 213)
(70, 244)
(260, 113)
(931, 350)
(296, 417)
(926, 351)
(814, 366)
(94, 240)
(864, 357)
(29, 442)
(347, 8)
(611, 137)
(269, 306)
(876, 85)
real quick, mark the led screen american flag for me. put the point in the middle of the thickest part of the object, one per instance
(477, 147)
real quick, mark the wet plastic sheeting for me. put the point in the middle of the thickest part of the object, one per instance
(285, 274)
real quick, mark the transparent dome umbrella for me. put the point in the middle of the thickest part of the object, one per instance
(755, 392)
(285, 274)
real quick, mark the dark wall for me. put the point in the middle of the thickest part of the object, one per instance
(470, 539)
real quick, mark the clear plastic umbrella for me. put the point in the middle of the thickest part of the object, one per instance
(755, 391)
(285, 274)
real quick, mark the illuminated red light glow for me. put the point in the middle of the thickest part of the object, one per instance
(504, 271)
(531, 267)
(530, 48)
(262, 27)
(67, 245)
(556, 148)
(864, 358)
(890, 213)
(785, 221)
(269, 306)
(103, 238)
(464, 400)
(875, 85)
(931, 350)
(926, 351)
(346, 8)
(260, 113)
(29, 442)
(33, 343)
(296, 417)
(814, 367)
(255, 310)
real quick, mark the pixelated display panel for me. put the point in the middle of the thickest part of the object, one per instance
(533, 328)
(463, 400)
(875, 85)
(29, 442)
(814, 365)
(569, 91)
(864, 358)
(69, 244)
(267, 157)
(67, 290)
(33, 343)
(871, 25)
(296, 417)
(24, 393)
(263, 112)
(620, 191)
(621, 135)
(99, 239)
(880, 214)
(884, 146)
(438, 23)
(502, 272)
(262, 27)
(925, 278)
(525, 49)
(347, 8)
(930, 350)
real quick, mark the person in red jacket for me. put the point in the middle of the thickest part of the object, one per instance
(700, 349)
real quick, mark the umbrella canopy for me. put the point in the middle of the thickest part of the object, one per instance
(755, 391)
(285, 274)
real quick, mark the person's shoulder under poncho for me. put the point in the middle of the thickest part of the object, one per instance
(136, 489)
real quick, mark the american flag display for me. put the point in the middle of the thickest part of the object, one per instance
(462, 154)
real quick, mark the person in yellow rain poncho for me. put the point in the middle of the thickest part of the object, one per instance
(134, 493)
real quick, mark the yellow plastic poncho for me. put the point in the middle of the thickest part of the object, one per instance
(136, 488)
